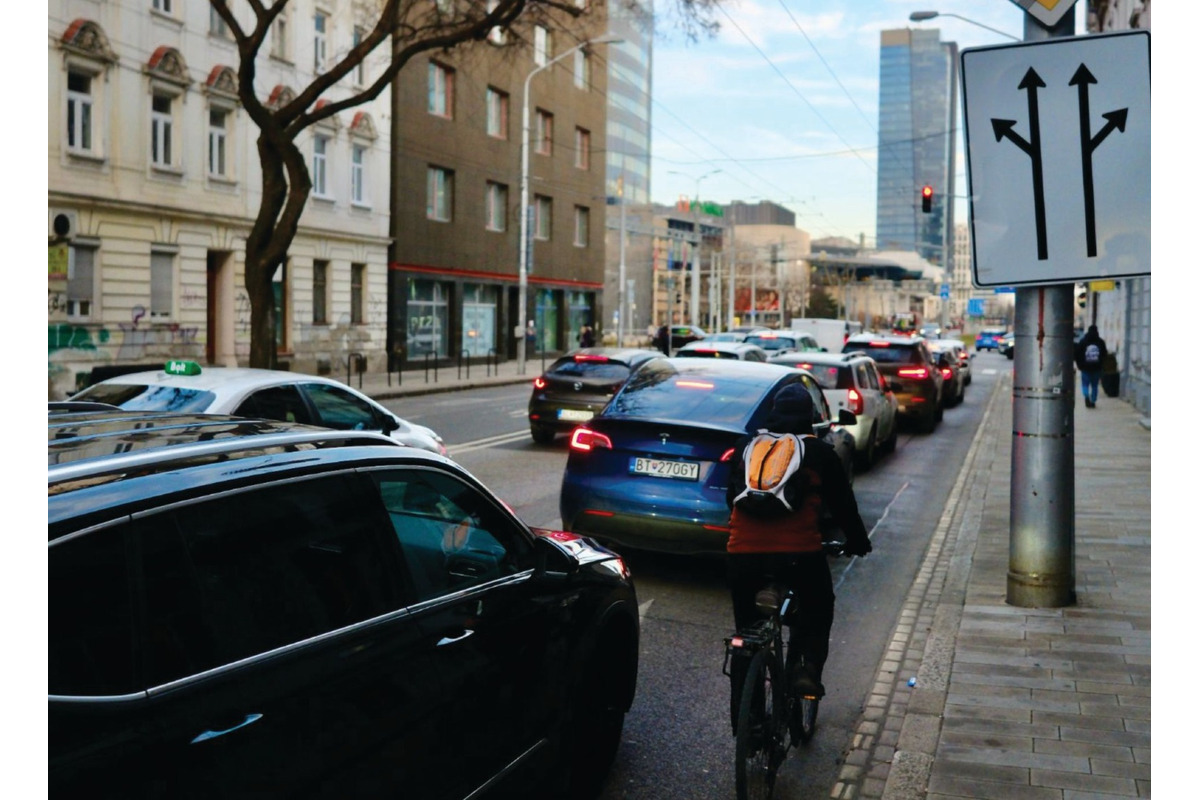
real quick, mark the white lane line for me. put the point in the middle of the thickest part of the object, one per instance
(887, 510)
(643, 608)
(490, 441)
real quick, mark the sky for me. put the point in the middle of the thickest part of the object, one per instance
(784, 101)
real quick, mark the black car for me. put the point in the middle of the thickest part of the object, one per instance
(577, 386)
(243, 608)
(912, 373)
(680, 335)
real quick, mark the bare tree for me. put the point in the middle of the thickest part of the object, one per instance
(401, 29)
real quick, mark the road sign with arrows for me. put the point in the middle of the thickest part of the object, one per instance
(1058, 158)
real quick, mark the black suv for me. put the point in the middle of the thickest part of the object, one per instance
(912, 374)
(243, 608)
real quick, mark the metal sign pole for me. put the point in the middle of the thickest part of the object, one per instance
(1041, 552)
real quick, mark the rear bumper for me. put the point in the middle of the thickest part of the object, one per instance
(650, 532)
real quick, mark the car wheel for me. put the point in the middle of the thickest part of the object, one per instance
(937, 416)
(890, 445)
(866, 457)
(930, 421)
(541, 434)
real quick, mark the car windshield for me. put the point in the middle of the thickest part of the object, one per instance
(889, 354)
(570, 368)
(769, 343)
(141, 397)
(664, 391)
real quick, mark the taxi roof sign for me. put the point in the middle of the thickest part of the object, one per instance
(181, 367)
(1047, 12)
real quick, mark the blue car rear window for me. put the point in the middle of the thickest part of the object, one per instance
(141, 397)
(662, 392)
(589, 369)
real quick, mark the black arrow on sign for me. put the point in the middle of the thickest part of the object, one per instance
(1003, 128)
(1087, 146)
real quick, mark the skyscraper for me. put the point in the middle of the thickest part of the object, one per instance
(918, 127)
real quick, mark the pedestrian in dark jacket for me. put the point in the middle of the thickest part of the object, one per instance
(788, 549)
(586, 337)
(1090, 352)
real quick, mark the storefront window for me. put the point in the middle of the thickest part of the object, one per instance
(547, 320)
(479, 319)
(579, 313)
(428, 318)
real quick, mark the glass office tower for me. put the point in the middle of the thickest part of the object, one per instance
(628, 129)
(918, 128)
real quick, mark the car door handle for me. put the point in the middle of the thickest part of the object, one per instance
(445, 640)
(204, 737)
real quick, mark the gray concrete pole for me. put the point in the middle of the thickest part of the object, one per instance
(1041, 547)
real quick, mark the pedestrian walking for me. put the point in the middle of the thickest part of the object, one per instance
(1090, 353)
(586, 337)
(530, 338)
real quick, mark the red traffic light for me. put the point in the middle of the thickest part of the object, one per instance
(926, 198)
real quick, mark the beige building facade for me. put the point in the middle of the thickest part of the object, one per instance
(154, 183)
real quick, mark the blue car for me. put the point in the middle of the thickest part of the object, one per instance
(650, 471)
(989, 339)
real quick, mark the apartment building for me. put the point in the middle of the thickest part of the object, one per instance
(154, 183)
(458, 123)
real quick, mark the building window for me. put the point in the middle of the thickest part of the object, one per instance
(497, 206)
(279, 36)
(541, 46)
(161, 130)
(360, 71)
(358, 277)
(441, 90)
(583, 148)
(581, 226)
(583, 70)
(320, 187)
(79, 111)
(320, 291)
(544, 134)
(320, 24)
(217, 139)
(439, 191)
(358, 158)
(162, 284)
(165, 6)
(541, 217)
(497, 113)
(216, 24)
(81, 280)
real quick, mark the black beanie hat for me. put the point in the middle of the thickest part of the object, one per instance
(792, 411)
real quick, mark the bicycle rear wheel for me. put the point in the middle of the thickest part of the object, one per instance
(806, 709)
(761, 728)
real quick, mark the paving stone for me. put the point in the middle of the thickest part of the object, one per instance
(1121, 769)
(1082, 781)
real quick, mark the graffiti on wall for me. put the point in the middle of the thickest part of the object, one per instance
(136, 339)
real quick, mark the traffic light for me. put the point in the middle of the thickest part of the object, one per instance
(927, 198)
(1081, 298)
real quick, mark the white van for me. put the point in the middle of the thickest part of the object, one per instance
(830, 334)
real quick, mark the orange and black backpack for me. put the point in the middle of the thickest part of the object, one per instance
(771, 462)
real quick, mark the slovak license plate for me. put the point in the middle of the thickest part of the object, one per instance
(575, 415)
(659, 468)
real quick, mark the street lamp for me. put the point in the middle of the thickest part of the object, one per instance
(523, 246)
(922, 16)
(699, 241)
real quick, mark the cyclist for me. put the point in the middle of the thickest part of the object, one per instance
(788, 549)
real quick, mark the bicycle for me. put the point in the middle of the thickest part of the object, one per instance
(768, 710)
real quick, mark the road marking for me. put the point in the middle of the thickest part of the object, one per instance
(520, 412)
(490, 441)
(643, 608)
(887, 509)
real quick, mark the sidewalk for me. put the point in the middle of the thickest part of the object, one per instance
(381, 386)
(1016, 703)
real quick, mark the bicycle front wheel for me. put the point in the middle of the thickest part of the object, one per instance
(760, 738)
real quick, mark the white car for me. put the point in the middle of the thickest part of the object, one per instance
(264, 393)
(853, 381)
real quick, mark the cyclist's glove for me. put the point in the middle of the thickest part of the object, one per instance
(857, 548)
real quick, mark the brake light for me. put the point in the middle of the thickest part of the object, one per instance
(855, 401)
(539, 382)
(586, 357)
(914, 372)
(727, 455)
(881, 344)
(585, 439)
(767, 335)
(947, 373)
(694, 384)
(804, 366)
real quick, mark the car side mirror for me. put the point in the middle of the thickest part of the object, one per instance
(846, 417)
(390, 423)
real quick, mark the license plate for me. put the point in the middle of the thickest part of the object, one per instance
(575, 415)
(681, 470)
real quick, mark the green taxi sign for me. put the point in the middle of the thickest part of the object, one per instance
(181, 367)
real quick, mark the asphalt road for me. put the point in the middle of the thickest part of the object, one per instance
(677, 741)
